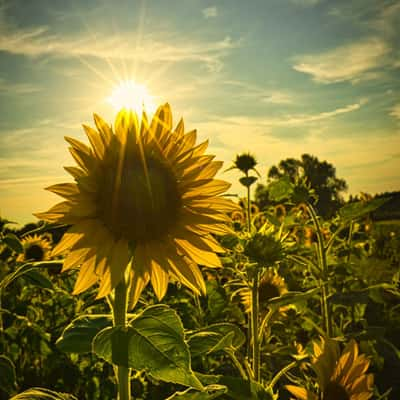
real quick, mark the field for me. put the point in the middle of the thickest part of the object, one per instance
(289, 283)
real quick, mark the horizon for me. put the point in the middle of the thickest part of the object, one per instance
(277, 79)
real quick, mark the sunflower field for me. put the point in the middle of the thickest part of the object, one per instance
(147, 281)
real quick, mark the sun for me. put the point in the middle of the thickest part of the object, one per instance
(132, 96)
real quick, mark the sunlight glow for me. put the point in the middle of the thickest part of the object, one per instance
(132, 96)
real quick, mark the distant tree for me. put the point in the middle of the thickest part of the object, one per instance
(320, 175)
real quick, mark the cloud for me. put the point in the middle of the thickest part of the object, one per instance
(40, 42)
(351, 62)
(395, 111)
(258, 93)
(210, 12)
(372, 169)
(305, 3)
(289, 120)
(17, 88)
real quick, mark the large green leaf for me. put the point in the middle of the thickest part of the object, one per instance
(153, 341)
(36, 278)
(292, 298)
(360, 208)
(214, 338)
(281, 189)
(7, 374)
(42, 394)
(77, 337)
(210, 392)
(238, 388)
(25, 268)
(13, 242)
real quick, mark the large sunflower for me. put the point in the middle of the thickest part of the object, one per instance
(145, 197)
(339, 376)
(36, 248)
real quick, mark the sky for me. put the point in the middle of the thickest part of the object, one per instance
(277, 78)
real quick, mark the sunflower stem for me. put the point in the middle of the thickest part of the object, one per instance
(324, 268)
(254, 327)
(119, 311)
(248, 209)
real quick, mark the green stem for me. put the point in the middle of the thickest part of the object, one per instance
(248, 209)
(282, 372)
(119, 311)
(237, 364)
(324, 268)
(254, 327)
(263, 324)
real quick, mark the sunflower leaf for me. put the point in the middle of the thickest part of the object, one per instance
(238, 388)
(25, 268)
(210, 392)
(153, 341)
(281, 189)
(78, 335)
(13, 243)
(292, 298)
(42, 394)
(214, 338)
(38, 279)
(356, 210)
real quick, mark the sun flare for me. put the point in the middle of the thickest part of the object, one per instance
(132, 96)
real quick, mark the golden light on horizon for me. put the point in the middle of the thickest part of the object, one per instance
(132, 96)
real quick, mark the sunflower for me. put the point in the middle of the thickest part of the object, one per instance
(36, 248)
(144, 197)
(339, 376)
(271, 285)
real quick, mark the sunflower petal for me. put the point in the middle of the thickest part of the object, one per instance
(66, 190)
(87, 276)
(199, 256)
(104, 129)
(96, 141)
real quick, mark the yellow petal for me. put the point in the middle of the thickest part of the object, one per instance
(201, 257)
(95, 141)
(87, 276)
(75, 257)
(85, 161)
(56, 213)
(77, 145)
(300, 393)
(104, 129)
(206, 188)
(67, 190)
(161, 123)
(139, 281)
(75, 172)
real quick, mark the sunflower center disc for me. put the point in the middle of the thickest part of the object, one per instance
(145, 201)
(34, 252)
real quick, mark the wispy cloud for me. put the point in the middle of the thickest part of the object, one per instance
(395, 111)
(210, 12)
(17, 88)
(305, 3)
(40, 41)
(351, 62)
(290, 120)
(260, 93)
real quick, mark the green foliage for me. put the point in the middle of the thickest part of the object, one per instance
(13, 242)
(77, 337)
(7, 375)
(42, 394)
(214, 338)
(154, 342)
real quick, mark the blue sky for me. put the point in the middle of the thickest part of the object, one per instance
(278, 78)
